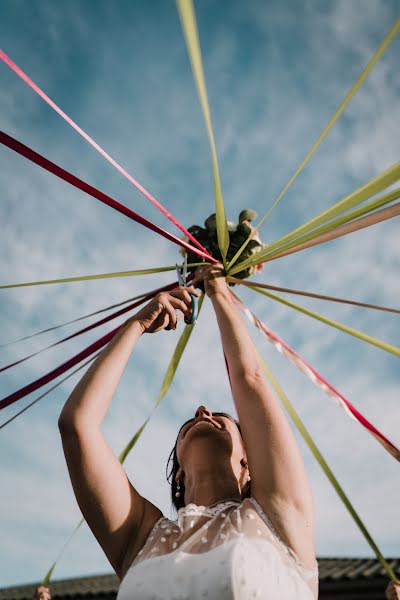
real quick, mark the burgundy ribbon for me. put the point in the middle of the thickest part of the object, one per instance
(41, 381)
(46, 164)
(92, 326)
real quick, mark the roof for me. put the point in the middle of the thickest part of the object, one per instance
(333, 572)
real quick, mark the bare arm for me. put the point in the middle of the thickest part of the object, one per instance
(112, 507)
(278, 478)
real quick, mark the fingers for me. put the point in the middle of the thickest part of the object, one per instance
(184, 292)
(170, 310)
(208, 271)
(174, 305)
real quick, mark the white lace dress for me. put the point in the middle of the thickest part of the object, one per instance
(230, 551)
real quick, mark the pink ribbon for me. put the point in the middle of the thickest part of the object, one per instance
(35, 88)
(316, 378)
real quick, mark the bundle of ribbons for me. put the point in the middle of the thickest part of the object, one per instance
(238, 235)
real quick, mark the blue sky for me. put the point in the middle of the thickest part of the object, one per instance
(275, 73)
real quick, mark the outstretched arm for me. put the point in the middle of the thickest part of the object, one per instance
(112, 507)
(278, 478)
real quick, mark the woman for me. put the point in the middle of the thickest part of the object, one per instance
(222, 545)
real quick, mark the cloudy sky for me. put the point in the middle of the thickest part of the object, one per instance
(275, 72)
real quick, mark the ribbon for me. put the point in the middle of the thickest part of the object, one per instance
(100, 276)
(46, 164)
(374, 186)
(335, 223)
(324, 465)
(316, 378)
(252, 284)
(188, 20)
(97, 312)
(388, 39)
(92, 358)
(349, 330)
(41, 381)
(120, 312)
(53, 105)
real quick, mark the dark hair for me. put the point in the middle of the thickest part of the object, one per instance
(180, 501)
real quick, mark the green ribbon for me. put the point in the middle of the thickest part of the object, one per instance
(189, 26)
(374, 186)
(323, 464)
(354, 332)
(354, 214)
(100, 276)
(388, 39)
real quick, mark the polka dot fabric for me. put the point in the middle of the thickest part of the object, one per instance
(226, 552)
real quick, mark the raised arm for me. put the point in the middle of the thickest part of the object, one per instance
(278, 478)
(112, 507)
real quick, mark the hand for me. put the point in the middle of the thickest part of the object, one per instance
(160, 311)
(213, 277)
(42, 593)
(392, 591)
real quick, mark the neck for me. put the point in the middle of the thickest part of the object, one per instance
(209, 491)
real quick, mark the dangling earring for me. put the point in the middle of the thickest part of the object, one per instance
(178, 493)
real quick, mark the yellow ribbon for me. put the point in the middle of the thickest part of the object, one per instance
(354, 332)
(374, 186)
(100, 276)
(363, 75)
(188, 20)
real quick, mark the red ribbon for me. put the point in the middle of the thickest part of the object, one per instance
(46, 164)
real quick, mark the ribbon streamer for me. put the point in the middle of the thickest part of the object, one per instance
(350, 330)
(388, 39)
(324, 465)
(377, 217)
(189, 26)
(120, 312)
(335, 223)
(46, 164)
(41, 381)
(252, 284)
(284, 349)
(100, 276)
(374, 186)
(53, 105)
(92, 358)
(97, 312)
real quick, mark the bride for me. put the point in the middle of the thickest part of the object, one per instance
(245, 524)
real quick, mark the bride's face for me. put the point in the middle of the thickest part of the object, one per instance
(218, 429)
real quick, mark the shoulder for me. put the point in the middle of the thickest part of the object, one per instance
(291, 527)
(152, 515)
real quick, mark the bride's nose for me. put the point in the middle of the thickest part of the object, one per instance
(203, 410)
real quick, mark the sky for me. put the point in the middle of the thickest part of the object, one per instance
(275, 74)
